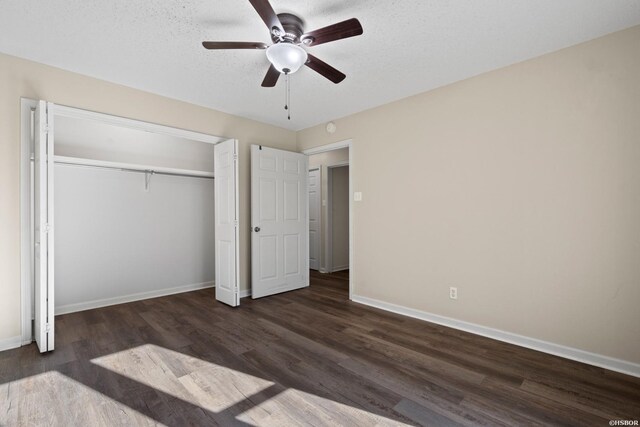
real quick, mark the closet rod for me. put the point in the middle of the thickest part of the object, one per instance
(63, 162)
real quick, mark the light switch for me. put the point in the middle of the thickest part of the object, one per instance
(357, 196)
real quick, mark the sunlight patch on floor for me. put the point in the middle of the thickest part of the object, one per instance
(28, 401)
(292, 405)
(229, 394)
(205, 384)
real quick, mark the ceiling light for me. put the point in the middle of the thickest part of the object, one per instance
(286, 57)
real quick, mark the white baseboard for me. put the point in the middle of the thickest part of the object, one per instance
(72, 308)
(594, 359)
(9, 343)
(245, 293)
(336, 269)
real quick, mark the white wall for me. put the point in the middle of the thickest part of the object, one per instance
(340, 218)
(329, 158)
(114, 239)
(91, 139)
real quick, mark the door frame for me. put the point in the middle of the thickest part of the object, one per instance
(329, 229)
(27, 107)
(319, 169)
(347, 143)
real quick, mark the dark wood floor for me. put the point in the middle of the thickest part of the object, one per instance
(307, 357)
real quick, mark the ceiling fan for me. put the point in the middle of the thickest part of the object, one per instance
(287, 33)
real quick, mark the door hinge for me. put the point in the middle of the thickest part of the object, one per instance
(235, 157)
(47, 327)
(47, 227)
(235, 223)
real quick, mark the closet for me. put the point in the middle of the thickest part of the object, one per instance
(126, 210)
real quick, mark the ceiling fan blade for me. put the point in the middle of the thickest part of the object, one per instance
(324, 69)
(271, 78)
(341, 30)
(268, 15)
(234, 45)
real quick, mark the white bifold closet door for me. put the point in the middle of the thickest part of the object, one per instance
(226, 217)
(279, 220)
(43, 213)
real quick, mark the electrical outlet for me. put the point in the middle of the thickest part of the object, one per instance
(453, 293)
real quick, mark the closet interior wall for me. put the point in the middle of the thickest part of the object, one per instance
(134, 214)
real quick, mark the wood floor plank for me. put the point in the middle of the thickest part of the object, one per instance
(422, 415)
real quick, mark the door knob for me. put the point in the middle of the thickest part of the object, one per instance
(256, 229)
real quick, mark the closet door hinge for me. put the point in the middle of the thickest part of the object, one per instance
(47, 227)
(235, 223)
(47, 327)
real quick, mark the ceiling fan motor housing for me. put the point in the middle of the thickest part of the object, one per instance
(293, 28)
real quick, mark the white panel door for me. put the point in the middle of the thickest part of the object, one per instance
(314, 219)
(43, 216)
(279, 221)
(227, 250)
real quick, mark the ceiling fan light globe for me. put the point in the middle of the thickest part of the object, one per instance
(286, 56)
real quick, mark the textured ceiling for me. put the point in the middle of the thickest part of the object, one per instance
(408, 46)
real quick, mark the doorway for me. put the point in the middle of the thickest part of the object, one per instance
(330, 211)
(337, 232)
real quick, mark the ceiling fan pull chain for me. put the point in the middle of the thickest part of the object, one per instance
(289, 96)
(286, 83)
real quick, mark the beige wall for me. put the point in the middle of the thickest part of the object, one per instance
(521, 187)
(340, 218)
(21, 78)
(322, 161)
